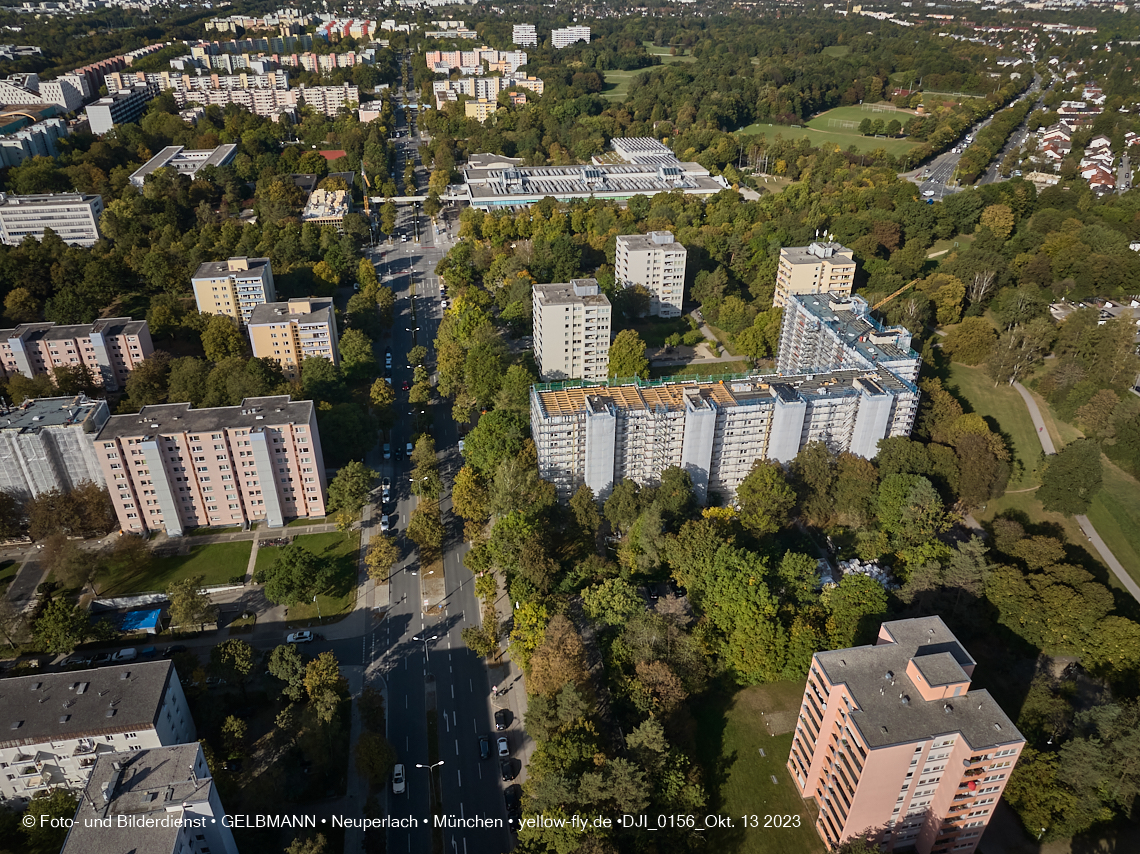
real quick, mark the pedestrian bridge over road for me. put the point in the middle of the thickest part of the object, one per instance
(407, 200)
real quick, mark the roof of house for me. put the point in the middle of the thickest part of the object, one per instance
(252, 414)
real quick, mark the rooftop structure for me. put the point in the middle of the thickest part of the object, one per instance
(186, 162)
(892, 740)
(45, 444)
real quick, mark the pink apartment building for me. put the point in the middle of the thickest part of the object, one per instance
(892, 743)
(110, 347)
(172, 467)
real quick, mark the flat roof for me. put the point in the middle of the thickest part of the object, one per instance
(218, 269)
(59, 706)
(849, 320)
(559, 293)
(816, 252)
(48, 199)
(34, 415)
(55, 332)
(187, 161)
(281, 312)
(891, 709)
(649, 241)
(253, 413)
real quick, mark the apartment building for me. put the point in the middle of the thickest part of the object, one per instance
(524, 35)
(123, 107)
(572, 330)
(567, 36)
(830, 332)
(170, 467)
(483, 88)
(600, 435)
(45, 444)
(110, 347)
(65, 92)
(160, 800)
(268, 102)
(892, 739)
(57, 726)
(656, 261)
(327, 207)
(36, 140)
(815, 269)
(289, 332)
(233, 287)
(474, 61)
(72, 216)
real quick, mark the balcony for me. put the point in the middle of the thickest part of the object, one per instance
(85, 746)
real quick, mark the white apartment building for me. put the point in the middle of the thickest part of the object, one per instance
(46, 444)
(572, 330)
(110, 347)
(656, 261)
(826, 332)
(569, 35)
(183, 161)
(524, 35)
(58, 725)
(482, 87)
(161, 800)
(290, 332)
(123, 107)
(172, 467)
(233, 287)
(36, 140)
(73, 216)
(819, 268)
(27, 89)
(268, 102)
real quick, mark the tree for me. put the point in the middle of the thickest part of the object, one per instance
(624, 504)
(586, 513)
(375, 758)
(559, 660)
(11, 515)
(297, 575)
(765, 498)
(417, 355)
(1072, 478)
(221, 338)
(612, 602)
(233, 660)
(382, 394)
(498, 435)
(349, 490)
(189, 606)
(469, 497)
(865, 127)
(49, 813)
(286, 664)
(627, 356)
(383, 553)
(20, 306)
(69, 564)
(854, 608)
(970, 342)
(1018, 349)
(324, 685)
(234, 732)
(998, 219)
(356, 354)
(309, 845)
(61, 626)
(425, 527)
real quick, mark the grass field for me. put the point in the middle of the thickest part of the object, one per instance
(340, 597)
(8, 570)
(217, 563)
(818, 132)
(837, 50)
(1004, 409)
(663, 52)
(742, 758)
(617, 83)
(1115, 513)
(716, 369)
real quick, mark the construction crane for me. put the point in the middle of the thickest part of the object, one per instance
(886, 300)
(367, 190)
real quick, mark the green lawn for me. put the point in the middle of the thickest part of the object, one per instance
(1004, 409)
(342, 549)
(8, 570)
(842, 137)
(654, 330)
(1115, 513)
(837, 50)
(665, 56)
(946, 246)
(732, 732)
(205, 531)
(716, 369)
(617, 83)
(217, 563)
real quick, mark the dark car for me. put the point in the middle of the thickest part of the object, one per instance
(405, 385)
(172, 649)
(507, 767)
(484, 747)
(654, 593)
(100, 659)
(502, 719)
(79, 658)
(398, 453)
(512, 797)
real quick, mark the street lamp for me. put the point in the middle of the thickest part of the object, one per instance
(425, 639)
(431, 774)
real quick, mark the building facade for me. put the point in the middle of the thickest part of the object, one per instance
(123, 107)
(572, 331)
(161, 800)
(170, 467)
(289, 332)
(820, 268)
(110, 348)
(715, 430)
(234, 287)
(327, 207)
(567, 36)
(46, 444)
(93, 713)
(891, 739)
(36, 140)
(268, 102)
(656, 261)
(828, 332)
(524, 35)
(73, 216)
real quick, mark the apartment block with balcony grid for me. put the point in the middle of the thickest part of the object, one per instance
(656, 261)
(234, 287)
(819, 268)
(289, 332)
(110, 347)
(572, 330)
(893, 743)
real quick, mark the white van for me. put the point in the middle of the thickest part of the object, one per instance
(125, 655)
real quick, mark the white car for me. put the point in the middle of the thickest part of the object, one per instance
(504, 746)
(299, 637)
(125, 655)
(385, 525)
(399, 785)
(929, 194)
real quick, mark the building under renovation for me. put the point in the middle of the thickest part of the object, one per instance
(46, 444)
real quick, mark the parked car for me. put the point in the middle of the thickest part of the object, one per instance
(507, 767)
(387, 451)
(385, 525)
(125, 655)
(299, 637)
(405, 385)
(214, 681)
(502, 721)
(399, 453)
(78, 658)
(399, 784)
(409, 449)
(172, 649)
(503, 746)
(484, 747)
(101, 658)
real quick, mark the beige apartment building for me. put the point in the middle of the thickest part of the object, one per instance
(234, 287)
(170, 467)
(572, 330)
(111, 347)
(820, 268)
(891, 739)
(288, 332)
(656, 261)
